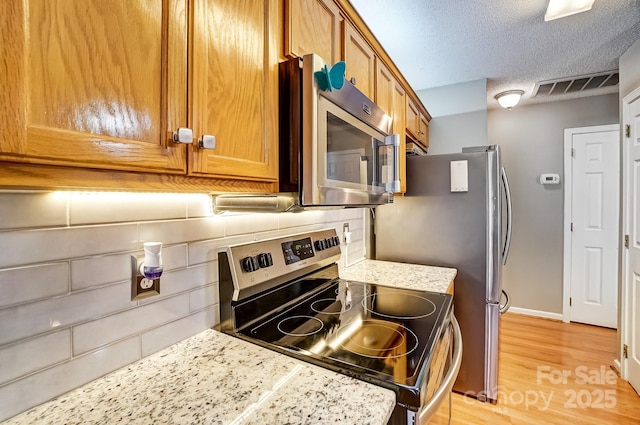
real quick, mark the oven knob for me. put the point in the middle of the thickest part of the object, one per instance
(265, 260)
(249, 264)
(330, 242)
(320, 245)
(336, 240)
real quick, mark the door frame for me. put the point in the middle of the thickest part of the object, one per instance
(568, 194)
(624, 280)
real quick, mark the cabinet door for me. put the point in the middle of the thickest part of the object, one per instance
(423, 134)
(96, 84)
(360, 58)
(413, 119)
(385, 82)
(234, 88)
(312, 26)
(399, 127)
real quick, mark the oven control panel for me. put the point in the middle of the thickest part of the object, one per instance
(257, 263)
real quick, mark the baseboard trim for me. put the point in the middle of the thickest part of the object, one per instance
(536, 313)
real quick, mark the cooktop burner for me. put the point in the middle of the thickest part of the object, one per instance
(410, 307)
(300, 325)
(350, 324)
(329, 306)
(378, 339)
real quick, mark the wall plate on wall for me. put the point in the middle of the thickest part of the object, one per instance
(141, 287)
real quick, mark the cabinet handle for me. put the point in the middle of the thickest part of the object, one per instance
(207, 141)
(183, 135)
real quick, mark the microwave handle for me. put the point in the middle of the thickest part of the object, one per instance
(392, 140)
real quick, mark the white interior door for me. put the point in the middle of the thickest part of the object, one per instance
(595, 187)
(631, 288)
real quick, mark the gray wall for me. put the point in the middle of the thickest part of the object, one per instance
(449, 134)
(532, 138)
(459, 113)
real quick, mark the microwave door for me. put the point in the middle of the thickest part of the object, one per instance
(356, 164)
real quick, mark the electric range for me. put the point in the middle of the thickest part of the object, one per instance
(286, 294)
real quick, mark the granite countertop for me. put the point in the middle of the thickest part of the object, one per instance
(213, 378)
(403, 275)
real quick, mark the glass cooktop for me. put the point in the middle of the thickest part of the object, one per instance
(364, 330)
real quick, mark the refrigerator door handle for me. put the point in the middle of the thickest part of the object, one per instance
(507, 303)
(507, 193)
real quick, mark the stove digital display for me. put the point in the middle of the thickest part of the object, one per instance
(295, 251)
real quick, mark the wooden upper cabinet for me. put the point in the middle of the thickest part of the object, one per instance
(234, 88)
(385, 82)
(312, 26)
(399, 127)
(97, 84)
(423, 134)
(413, 119)
(360, 60)
(417, 124)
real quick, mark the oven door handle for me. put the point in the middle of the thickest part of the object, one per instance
(430, 409)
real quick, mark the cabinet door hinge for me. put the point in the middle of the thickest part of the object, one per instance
(573, 153)
(570, 301)
(572, 227)
(627, 130)
(626, 241)
(625, 351)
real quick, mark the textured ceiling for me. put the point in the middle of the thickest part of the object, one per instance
(437, 43)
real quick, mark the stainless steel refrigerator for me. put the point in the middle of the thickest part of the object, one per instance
(452, 216)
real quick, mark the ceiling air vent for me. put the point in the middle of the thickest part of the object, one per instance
(576, 84)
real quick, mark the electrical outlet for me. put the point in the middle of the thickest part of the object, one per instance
(146, 283)
(141, 287)
(346, 234)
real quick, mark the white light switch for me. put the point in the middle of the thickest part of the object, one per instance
(460, 176)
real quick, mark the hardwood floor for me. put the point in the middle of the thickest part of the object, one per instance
(552, 373)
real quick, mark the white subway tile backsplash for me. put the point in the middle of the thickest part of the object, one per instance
(40, 387)
(199, 205)
(352, 213)
(181, 231)
(353, 254)
(171, 333)
(97, 271)
(33, 354)
(249, 223)
(175, 257)
(93, 208)
(66, 315)
(33, 246)
(33, 283)
(176, 281)
(307, 218)
(200, 252)
(204, 228)
(35, 318)
(97, 333)
(37, 209)
(203, 297)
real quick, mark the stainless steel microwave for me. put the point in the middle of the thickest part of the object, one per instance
(335, 148)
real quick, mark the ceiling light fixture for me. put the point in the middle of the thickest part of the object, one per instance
(561, 8)
(509, 99)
